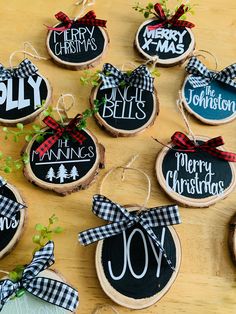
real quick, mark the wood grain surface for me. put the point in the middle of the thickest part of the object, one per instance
(206, 283)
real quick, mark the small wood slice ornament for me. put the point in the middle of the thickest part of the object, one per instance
(77, 44)
(23, 91)
(169, 41)
(232, 238)
(139, 255)
(64, 164)
(40, 290)
(12, 217)
(28, 304)
(131, 102)
(209, 95)
(196, 175)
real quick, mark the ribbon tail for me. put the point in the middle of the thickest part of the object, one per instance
(55, 292)
(8, 207)
(46, 145)
(152, 235)
(156, 26)
(198, 81)
(100, 233)
(59, 29)
(226, 156)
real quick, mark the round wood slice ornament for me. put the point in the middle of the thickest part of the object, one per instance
(28, 304)
(169, 41)
(209, 95)
(68, 165)
(131, 103)
(195, 178)
(134, 274)
(138, 255)
(77, 44)
(232, 238)
(24, 93)
(10, 229)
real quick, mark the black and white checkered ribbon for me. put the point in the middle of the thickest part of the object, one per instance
(140, 78)
(201, 76)
(8, 207)
(121, 219)
(47, 289)
(25, 69)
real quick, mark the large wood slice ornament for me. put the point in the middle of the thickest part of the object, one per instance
(196, 174)
(131, 103)
(210, 95)
(12, 217)
(24, 93)
(40, 290)
(79, 43)
(138, 254)
(168, 40)
(68, 159)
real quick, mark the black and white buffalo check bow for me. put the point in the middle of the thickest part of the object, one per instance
(47, 289)
(8, 207)
(201, 76)
(121, 219)
(25, 69)
(140, 78)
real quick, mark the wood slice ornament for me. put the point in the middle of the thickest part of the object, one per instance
(40, 290)
(210, 95)
(77, 44)
(68, 160)
(232, 238)
(169, 41)
(196, 174)
(24, 93)
(138, 254)
(131, 102)
(12, 217)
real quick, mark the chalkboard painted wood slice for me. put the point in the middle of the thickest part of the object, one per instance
(79, 47)
(11, 230)
(28, 304)
(127, 110)
(67, 166)
(194, 179)
(172, 45)
(232, 238)
(23, 99)
(131, 269)
(212, 104)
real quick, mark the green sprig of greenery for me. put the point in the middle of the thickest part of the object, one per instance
(8, 164)
(149, 11)
(45, 233)
(90, 77)
(90, 112)
(28, 134)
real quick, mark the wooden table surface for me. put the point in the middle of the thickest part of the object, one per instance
(206, 282)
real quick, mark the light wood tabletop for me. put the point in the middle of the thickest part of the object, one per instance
(206, 282)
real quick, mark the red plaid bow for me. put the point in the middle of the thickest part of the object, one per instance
(184, 143)
(174, 20)
(88, 19)
(70, 129)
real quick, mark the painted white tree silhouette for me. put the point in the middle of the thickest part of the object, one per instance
(50, 174)
(62, 173)
(74, 173)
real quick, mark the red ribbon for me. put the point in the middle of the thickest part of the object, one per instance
(87, 19)
(59, 131)
(185, 144)
(174, 20)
